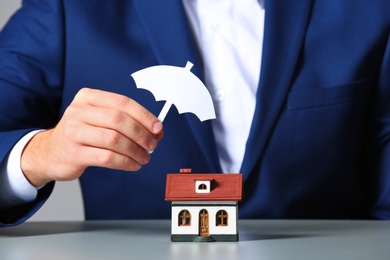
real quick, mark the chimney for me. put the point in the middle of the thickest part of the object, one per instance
(185, 170)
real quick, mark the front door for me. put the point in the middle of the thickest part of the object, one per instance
(203, 223)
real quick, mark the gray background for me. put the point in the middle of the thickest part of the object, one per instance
(65, 203)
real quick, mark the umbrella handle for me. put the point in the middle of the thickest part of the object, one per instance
(164, 111)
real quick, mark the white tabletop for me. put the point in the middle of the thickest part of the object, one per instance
(150, 239)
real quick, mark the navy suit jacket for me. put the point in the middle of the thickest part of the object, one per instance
(319, 145)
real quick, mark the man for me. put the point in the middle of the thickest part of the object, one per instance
(317, 141)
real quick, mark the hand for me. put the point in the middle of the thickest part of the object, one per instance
(97, 129)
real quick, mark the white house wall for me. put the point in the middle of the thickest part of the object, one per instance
(212, 210)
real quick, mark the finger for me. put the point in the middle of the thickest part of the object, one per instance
(122, 103)
(116, 120)
(110, 140)
(93, 156)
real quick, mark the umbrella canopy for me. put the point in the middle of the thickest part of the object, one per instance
(177, 86)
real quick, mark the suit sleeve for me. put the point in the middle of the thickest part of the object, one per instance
(379, 151)
(31, 74)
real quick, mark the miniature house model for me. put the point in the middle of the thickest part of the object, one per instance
(204, 206)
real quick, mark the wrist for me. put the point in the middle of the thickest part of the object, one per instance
(30, 163)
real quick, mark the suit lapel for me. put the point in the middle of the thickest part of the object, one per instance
(169, 33)
(167, 28)
(170, 36)
(285, 27)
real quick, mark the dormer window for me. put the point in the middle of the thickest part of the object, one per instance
(202, 186)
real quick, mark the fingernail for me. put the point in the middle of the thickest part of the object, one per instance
(137, 166)
(157, 126)
(152, 144)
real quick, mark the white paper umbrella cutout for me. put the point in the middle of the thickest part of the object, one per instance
(177, 86)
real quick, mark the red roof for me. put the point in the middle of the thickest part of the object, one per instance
(224, 187)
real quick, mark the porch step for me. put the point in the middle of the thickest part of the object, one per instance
(202, 239)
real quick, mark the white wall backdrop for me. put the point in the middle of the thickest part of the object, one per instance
(65, 202)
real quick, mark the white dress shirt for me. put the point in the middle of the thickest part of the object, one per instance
(15, 189)
(229, 35)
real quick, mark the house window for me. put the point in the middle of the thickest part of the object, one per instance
(202, 186)
(184, 218)
(222, 218)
